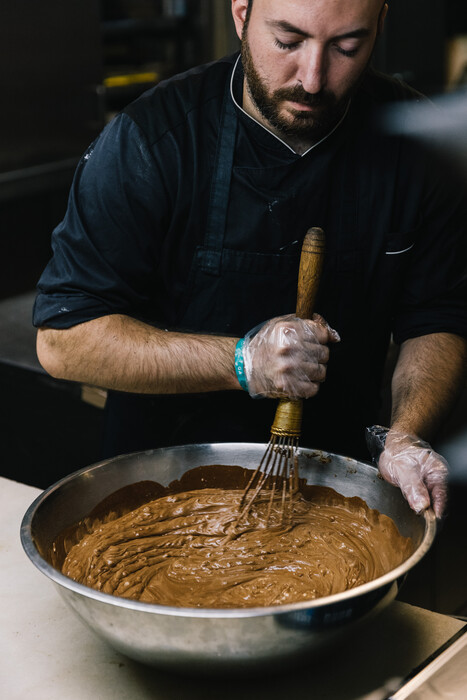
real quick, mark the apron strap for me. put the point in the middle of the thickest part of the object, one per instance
(220, 187)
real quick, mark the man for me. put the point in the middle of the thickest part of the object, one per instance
(183, 232)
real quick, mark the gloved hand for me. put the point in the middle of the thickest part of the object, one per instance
(287, 356)
(420, 472)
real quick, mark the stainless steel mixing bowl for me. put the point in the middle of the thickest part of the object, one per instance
(217, 640)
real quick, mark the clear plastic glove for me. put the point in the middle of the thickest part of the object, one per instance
(287, 357)
(411, 463)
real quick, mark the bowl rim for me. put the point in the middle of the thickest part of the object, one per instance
(63, 581)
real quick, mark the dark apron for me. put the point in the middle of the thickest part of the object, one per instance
(230, 291)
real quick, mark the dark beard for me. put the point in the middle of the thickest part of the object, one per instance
(311, 126)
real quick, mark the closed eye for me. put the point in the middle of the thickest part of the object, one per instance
(346, 52)
(286, 47)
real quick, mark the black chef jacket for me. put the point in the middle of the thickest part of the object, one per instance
(189, 215)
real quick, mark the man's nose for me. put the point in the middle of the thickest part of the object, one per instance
(312, 69)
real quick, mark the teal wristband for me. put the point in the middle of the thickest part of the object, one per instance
(240, 365)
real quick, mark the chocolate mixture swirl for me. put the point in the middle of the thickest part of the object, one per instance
(176, 550)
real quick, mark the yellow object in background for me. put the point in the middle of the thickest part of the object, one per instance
(130, 79)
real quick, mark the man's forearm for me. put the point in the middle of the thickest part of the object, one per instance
(429, 376)
(121, 353)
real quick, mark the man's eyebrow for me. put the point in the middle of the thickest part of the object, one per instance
(285, 26)
(291, 29)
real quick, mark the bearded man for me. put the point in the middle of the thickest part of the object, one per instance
(183, 233)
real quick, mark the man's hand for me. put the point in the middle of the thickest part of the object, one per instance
(417, 469)
(287, 356)
(429, 375)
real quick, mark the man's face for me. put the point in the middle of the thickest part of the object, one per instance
(304, 58)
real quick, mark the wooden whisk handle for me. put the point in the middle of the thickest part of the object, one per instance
(288, 418)
(309, 274)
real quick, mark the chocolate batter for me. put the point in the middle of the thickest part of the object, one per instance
(178, 550)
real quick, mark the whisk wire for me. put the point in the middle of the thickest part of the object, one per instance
(275, 477)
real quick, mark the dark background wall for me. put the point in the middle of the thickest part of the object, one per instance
(64, 67)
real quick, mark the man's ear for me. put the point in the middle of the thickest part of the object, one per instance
(381, 18)
(239, 8)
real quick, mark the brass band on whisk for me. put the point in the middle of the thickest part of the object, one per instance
(288, 418)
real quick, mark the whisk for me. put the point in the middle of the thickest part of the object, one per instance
(276, 476)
